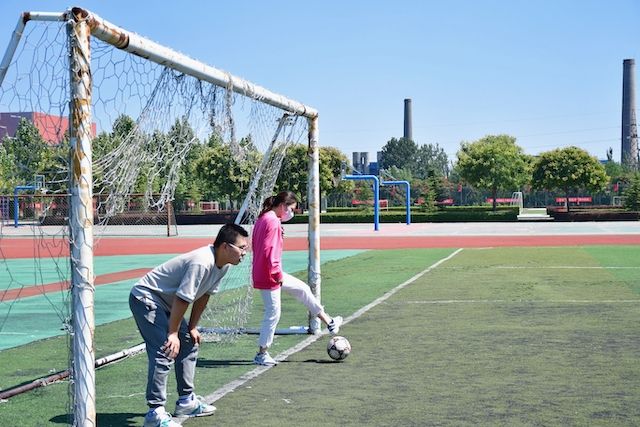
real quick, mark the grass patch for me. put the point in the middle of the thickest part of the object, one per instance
(501, 336)
(347, 285)
(472, 343)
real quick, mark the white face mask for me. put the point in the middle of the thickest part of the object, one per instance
(287, 215)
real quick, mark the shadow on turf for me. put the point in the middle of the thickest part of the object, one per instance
(321, 361)
(124, 419)
(208, 363)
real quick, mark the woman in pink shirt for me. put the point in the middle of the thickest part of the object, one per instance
(269, 278)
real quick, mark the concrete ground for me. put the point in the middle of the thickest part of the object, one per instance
(338, 230)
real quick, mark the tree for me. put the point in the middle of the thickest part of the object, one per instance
(440, 187)
(620, 175)
(54, 165)
(27, 154)
(568, 169)
(123, 125)
(8, 180)
(160, 156)
(401, 153)
(632, 194)
(223, 176)
(190, 186)
(431, 160)
(27, 150)
(616, 171)
(495, 163)
(399, 174)
(175, 149)
(294, 171)
(105, 143)
(331, 162)
(293, 174)
(105, 146)
(392, 192)
(363, 190)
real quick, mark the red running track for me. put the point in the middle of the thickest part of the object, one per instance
(25, 248)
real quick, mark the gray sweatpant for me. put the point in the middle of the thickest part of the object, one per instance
(153, 323)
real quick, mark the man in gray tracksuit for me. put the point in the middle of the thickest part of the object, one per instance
(159, 302)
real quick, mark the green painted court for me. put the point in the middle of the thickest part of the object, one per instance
(42, 316)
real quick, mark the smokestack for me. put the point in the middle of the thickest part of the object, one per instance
(407, 119)
(629, 155)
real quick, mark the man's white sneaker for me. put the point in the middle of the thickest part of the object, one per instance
(194, 407)
(159, 418)
(334, 325)
(264, 359)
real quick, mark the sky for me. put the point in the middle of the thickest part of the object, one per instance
(548, 72)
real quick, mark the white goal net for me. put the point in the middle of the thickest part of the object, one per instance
(125, 131)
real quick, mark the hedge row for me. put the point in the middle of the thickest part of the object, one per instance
(481, 208)
(593, 213)
(470, 214)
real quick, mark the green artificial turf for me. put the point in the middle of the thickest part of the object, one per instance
(120, 386)
(497, 336)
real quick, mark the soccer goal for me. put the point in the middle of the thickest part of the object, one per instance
(617, 201)
(517, 200)
(120, 117)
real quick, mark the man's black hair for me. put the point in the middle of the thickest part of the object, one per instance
(229, 234)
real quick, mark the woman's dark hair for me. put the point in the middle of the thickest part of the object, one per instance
(286, 197)
(229, 234)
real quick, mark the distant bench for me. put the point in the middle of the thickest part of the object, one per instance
(576, 200)
(501, 200)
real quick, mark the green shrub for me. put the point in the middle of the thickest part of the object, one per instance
(397, 215)
(632, 194)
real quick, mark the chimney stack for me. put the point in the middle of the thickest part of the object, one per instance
(407, 119)
(629, 156)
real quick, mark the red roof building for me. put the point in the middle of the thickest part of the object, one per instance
(52, 128)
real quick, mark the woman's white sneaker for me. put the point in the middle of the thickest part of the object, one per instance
(334, 325)
(264, 359)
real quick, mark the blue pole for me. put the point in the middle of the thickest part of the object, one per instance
(16, 210)
(376, 204)
(408, 200)
(376, 195)
(408, 204)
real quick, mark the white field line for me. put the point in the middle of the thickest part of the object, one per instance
(233, 385)
(397, 288)
(524, 301)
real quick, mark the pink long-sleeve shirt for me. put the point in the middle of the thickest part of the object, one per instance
(267, 245)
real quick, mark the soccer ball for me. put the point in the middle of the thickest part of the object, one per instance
(338, 348)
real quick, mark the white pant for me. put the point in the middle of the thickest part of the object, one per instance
(271, 299)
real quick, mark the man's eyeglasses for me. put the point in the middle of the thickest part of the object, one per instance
(240, 248)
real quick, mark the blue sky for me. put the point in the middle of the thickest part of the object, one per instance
(548, 72)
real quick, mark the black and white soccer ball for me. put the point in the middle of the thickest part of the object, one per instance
(338, 348)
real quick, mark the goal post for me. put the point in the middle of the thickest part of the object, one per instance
(517, 201)
(81, 224)
(118, 171)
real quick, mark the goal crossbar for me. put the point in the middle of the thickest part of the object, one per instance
(141, 46)
(145, 48)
